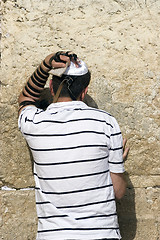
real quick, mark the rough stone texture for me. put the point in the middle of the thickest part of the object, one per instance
(120, 41)
(18, 215)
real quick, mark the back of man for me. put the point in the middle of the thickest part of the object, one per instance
(75, 149)
(72, 146)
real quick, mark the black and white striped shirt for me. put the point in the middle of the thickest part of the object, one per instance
(75, 148)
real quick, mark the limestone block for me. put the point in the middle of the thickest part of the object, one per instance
(16, 164)
(143, 181)
(121, 48)
(139, 213)
(140, 203)
(16, 168)
(18, 215)
(145, 229)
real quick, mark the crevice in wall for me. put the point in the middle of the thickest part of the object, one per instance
(9, 188)
(6, 188)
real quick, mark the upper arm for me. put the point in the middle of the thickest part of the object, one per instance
(24, 101)
(116, 164)
(119, 184)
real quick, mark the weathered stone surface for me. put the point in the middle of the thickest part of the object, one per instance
(18, 215)
(139, 212)
(120, 41)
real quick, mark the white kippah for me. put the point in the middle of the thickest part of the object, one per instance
(72, 69)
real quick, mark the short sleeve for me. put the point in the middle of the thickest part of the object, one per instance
(26, 119)
(116, 164)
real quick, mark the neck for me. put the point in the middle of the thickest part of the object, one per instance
(67, 99)
(64, 99)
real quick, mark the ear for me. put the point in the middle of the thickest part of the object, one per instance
(84, 92)
(51, 88)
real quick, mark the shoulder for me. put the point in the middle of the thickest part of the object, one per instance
(27, 116)
(103, 114)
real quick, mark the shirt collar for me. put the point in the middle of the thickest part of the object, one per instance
(69, 104)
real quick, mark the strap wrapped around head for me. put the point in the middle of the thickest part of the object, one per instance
(69, 73)
(68, 70)
(56, 57)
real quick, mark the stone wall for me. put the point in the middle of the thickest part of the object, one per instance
(120, 41)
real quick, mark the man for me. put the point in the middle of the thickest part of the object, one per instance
(77, 151)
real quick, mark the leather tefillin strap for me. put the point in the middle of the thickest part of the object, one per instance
(56, 57)
(69, 80)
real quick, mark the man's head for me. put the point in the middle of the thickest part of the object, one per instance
(73, 83)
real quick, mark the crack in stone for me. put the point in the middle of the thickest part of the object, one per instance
(6, 188)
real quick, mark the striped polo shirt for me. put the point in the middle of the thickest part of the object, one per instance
(75, 147)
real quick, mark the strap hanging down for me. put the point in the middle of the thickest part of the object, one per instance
(69, 82)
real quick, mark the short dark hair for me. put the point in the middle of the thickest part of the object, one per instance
(78, 85)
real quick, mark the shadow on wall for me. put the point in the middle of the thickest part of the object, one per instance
(125, 206)
(126, 212)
